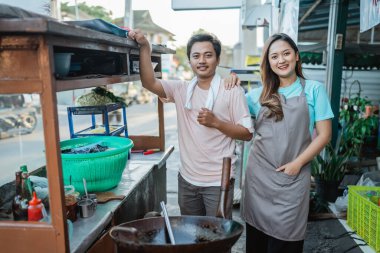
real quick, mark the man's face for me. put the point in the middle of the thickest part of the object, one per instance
(203, 60)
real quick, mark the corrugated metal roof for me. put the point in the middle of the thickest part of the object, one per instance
(318, 18)
(313, 27)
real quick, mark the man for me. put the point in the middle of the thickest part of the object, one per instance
(209, 118)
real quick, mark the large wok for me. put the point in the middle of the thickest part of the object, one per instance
(201, 234)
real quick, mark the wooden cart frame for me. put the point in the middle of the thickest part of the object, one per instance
(27, 49)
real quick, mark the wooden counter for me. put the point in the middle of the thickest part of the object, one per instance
(143, 184)
(27, 48)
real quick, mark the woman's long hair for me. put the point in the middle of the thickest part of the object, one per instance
(271, 82)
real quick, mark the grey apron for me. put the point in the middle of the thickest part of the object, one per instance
(274, 202)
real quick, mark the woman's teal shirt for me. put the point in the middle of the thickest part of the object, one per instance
(317, 100)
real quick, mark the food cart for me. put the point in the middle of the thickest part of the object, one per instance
(27, 48)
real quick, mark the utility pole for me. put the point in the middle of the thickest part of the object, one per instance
(128, 14)
(55, 9)
(76, 10)
(336, 38)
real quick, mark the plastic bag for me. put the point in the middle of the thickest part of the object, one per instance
(289, 18)
(341, 203)
(39, 181)
(101, 26)
(91, 148)
(371, 178)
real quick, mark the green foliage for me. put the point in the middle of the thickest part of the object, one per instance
(356, 125)
(332, 166)
(103, 92)
(94, 11)
(200, 30)
(182, 57)
(65, 7)
(317, 204)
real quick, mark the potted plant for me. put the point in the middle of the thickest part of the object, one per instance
(328, 172)
(358, 123)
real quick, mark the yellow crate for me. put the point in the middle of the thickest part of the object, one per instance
(363, 216)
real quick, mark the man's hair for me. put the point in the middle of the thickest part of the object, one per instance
(204, 37)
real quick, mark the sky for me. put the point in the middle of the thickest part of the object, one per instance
(223, 23)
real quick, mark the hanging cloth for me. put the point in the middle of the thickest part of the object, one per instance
(212, 92)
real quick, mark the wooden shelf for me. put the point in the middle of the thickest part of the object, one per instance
(14, 86)
(72, 84)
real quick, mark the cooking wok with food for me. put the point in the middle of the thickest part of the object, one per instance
(191, 233)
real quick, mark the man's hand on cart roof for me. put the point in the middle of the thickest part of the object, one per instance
(139, 37)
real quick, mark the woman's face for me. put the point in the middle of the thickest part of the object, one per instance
(203, 59)
(282, 59)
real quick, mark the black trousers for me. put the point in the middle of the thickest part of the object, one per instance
(258, 242)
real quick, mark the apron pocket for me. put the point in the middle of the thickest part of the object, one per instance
(283, 179)
(289, 189)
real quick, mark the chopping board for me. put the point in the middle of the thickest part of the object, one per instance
(104, 197)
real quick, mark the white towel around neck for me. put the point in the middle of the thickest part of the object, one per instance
(212, 92)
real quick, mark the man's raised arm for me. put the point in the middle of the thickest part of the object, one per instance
(146, 70)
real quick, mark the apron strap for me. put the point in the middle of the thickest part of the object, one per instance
(303, 83)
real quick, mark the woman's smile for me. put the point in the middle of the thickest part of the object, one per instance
(283, 67)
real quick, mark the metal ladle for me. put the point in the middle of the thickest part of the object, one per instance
(85, 187)
(167, 222)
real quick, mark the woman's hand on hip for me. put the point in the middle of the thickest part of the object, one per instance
(292, 168)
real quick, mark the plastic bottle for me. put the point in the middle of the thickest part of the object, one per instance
(23, 168)
(23, 194)
(35, 209)
(19, 210)
(26, 187)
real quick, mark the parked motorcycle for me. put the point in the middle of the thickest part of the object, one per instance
(17, 121)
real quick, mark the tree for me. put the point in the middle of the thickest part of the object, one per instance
(94, 11)
(181, 56)
(200, 30)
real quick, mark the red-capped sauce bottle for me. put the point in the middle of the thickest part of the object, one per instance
(35, 209)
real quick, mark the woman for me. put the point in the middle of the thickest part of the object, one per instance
(287, 108)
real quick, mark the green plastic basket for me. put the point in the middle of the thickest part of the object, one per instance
(102, 170)
(363, 216)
